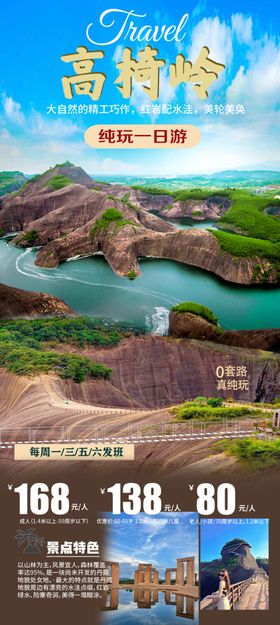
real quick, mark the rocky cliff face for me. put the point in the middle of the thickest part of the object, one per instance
(76, 174)
(153, 371)
(18, 303)
(50, 215)
(11, 181)
(137, 197)
(62, 220)
(257, 339)
(197, 248)
(240, 551)
(212, 208)
(187, 325)
(263, 563)
(38, 197)
(74, 213)
(236, 558)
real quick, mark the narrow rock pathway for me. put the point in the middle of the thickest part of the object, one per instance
(255, 597)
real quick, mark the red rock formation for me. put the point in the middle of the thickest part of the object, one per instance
(154, 371)
(210, 208)
(197, 248)
(268, 339)
(18, 303)
(62, 221)
(187, 325)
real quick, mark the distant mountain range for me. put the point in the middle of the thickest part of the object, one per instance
(257, 178)
(223, 179)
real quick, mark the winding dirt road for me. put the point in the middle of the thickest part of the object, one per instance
(34, 410)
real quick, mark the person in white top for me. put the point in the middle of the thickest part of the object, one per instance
(224, 588)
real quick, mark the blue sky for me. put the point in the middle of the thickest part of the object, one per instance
(242, 35)
(154, 540)
(213, 537)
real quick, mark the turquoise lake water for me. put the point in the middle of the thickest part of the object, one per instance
(90, 287)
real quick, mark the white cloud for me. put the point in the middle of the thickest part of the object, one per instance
(117, 56)
(35, 122)
(242, 27)
(199, 8)
(118, 556)
(109, 166)
(5, 135)
(139, 97)
(9, 156)
(166, 94)
(259, 84)
(227, 141)
(52, 146)
(30, 142)
(12, 110)
(52, 127)
(48, 141)
(216, 36)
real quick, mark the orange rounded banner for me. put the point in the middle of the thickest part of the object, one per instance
(143, 136)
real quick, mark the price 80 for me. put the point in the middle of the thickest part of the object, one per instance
(208, 499)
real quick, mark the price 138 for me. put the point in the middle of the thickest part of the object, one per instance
(137, 499)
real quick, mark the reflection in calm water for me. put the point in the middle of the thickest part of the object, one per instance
(126, 607)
